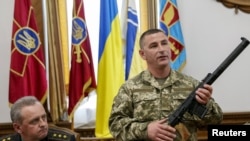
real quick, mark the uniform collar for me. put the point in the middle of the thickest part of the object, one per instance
(170, 80)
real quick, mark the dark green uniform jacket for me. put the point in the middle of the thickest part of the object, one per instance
(53, 135)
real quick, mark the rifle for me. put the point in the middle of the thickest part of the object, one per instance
(190, 104)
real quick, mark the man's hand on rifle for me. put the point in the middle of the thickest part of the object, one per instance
(159, 130)
(203, 95)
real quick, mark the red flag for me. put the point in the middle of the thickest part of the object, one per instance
(27, 68)
(82, 76)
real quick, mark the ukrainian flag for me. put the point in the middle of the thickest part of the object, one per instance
(110, 65)
(170, 23)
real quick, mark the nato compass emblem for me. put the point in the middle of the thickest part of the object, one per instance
(27, 41)
(79, 31)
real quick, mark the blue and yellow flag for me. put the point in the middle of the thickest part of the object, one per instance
(110, 65)
(134, 63)
(170, 23)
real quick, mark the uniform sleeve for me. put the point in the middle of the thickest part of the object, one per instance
(122, 125)
(214, 114)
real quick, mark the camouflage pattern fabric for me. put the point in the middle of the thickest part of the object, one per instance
(142, 100)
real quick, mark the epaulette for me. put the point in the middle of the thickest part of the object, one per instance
(10, 137)
(59, 135)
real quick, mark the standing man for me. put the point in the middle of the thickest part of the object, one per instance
(142, 106)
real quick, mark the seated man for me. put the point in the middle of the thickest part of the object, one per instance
(29, 120)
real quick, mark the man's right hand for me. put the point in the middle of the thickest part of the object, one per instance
(160, 131)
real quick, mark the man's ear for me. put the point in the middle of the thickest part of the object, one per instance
(17, 127)
(142, 54)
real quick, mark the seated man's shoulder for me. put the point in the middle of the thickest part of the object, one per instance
(60, 135)
(11, 137)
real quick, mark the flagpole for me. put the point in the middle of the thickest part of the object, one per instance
(45, 31)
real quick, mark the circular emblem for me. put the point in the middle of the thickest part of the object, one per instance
(79, 31)
(26, 40)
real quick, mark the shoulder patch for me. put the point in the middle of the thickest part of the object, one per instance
(10, 137)
(56, 135)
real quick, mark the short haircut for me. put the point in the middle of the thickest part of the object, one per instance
(149, 32)
(15, 111)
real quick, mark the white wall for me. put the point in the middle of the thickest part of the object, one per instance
(6, 15)
(211, 32)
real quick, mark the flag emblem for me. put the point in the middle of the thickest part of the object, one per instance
(26, 40)
(79, 31)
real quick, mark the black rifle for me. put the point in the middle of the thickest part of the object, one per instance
(190, 104)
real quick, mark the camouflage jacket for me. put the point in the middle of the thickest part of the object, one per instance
(142, 100)
(53, 135)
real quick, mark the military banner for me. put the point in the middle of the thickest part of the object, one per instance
(27, 68)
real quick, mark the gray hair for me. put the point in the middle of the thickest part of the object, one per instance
(15, 111)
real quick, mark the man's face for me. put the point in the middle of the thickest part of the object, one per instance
(156, 50)
(34, 125)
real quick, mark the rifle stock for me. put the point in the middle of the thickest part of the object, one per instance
(190, 104)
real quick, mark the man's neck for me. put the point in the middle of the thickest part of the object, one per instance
(160, 73)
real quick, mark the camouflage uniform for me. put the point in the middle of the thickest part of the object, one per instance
(142, 100)
(53, 135)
